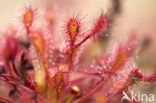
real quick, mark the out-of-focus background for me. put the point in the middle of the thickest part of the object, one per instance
(137, 16)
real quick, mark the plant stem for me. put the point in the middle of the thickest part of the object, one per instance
(6, 100)
(102, 82)
(86, 38)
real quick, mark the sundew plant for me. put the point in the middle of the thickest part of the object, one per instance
(34, 69)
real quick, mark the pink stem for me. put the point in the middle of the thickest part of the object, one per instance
(30, 90)
(6, 100)
(86, 38)
(14, 69)
(81, 100)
